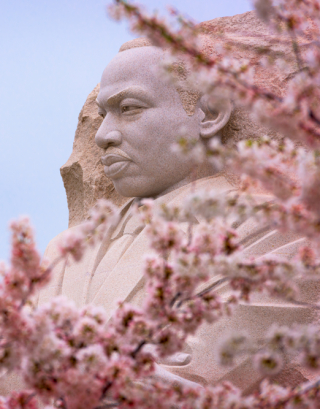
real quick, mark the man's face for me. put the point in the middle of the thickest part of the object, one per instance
(143, 117)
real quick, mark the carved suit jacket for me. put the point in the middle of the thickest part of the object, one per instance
(92, 280)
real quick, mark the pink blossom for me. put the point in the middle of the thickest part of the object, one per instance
(72, 243)
(268, 362)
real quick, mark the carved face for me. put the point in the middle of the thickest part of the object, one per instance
(143, 117)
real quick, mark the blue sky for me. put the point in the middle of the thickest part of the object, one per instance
(52, 55)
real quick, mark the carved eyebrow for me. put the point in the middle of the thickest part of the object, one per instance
(130, 92)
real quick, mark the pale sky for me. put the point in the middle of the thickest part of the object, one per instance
(52, 56)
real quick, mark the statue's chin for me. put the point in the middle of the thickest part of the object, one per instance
(149, 186)
(132, 188)
(129, 188)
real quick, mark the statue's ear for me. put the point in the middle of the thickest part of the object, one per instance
(213, 116)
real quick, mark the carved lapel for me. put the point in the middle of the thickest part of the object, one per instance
(127, 277)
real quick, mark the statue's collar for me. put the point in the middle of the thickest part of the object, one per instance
(215, 182)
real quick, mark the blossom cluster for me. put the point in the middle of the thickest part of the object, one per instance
(101, 217)
(76, 358)
(300, 343)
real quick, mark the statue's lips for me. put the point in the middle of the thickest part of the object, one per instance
(109, 160)
(115, 163)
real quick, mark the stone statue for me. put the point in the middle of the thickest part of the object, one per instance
(142, 115)
(83, 174)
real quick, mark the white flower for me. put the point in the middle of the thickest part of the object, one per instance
(268, 362)
(91, 359)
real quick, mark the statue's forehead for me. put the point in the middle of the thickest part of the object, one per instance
(136, 63)
(134, 68)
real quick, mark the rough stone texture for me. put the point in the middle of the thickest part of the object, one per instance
(83, 175)
(247, 37)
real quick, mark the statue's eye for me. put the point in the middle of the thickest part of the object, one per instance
(102, 113)
(129, 108)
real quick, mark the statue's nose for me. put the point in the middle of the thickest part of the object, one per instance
(103, 140)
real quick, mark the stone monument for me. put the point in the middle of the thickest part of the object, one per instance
(134, 117)
(83, 175)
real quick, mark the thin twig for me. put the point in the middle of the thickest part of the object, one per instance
(175, 298)
(212, 286)
(139, 347)
(204, 292)
(105, 389)
(313, 117)
(296, 49)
